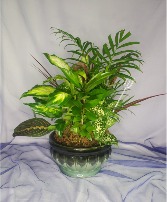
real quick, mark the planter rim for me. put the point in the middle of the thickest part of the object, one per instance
(66, 149)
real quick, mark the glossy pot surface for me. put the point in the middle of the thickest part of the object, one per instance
(79, 162)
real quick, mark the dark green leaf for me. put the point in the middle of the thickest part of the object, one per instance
(76, 110)
(125, 37)
(77, 103)
(91, 103)
(91, 116)
(111, 43)
(60, 124)
(124, 76)
(133, 66)
(106, 51)
(89, 126)
(98, 91)
(75, 52)
(128, 44)
(121, 34)
(77, 120)
(101, 56)
(35, 127)
(114, 62)
(78, 41)
(86, 45)
(127, 51)
(96, 80)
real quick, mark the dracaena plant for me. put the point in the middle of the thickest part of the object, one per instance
(86, 97)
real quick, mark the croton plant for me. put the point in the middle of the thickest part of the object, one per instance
(87, 97)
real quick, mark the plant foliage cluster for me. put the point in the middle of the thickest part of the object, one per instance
(85, 97)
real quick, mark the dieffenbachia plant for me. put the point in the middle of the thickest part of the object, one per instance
(85, 96)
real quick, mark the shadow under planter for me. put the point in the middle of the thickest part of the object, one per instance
(79, 162)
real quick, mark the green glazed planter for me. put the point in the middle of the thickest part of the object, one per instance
(79, 162)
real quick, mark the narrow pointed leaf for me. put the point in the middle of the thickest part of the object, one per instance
(86, 45)
(96, 80)
(111, 43)
(128, 44)
(124, 76)
(121, 34)
(125, 37)
(117, 39)
(106, 51)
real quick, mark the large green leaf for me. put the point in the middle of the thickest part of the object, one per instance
(35, 127)
(60, 124)
(76, 110)
(72, 76)
(59, 98)
(39, 91)
(59, 62)
(96, 80)
(101, 91)
(82, 73)
(91, 103)
(91, 115)
(46, 111)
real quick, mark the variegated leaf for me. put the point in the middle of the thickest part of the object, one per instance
(59, 98)
(59, 62)
(35, 127)
(39, 91)
(46, 111)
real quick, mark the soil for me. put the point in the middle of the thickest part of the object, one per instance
(74, 140)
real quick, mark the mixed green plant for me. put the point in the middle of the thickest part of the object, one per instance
(86, 97)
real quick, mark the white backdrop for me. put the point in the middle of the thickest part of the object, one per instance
(25, 30)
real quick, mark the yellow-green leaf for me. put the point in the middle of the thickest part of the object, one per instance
(59, 62)
(46, 111)
(59, 98)
(39, 91)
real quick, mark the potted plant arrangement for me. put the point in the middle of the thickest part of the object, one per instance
(83, 102)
